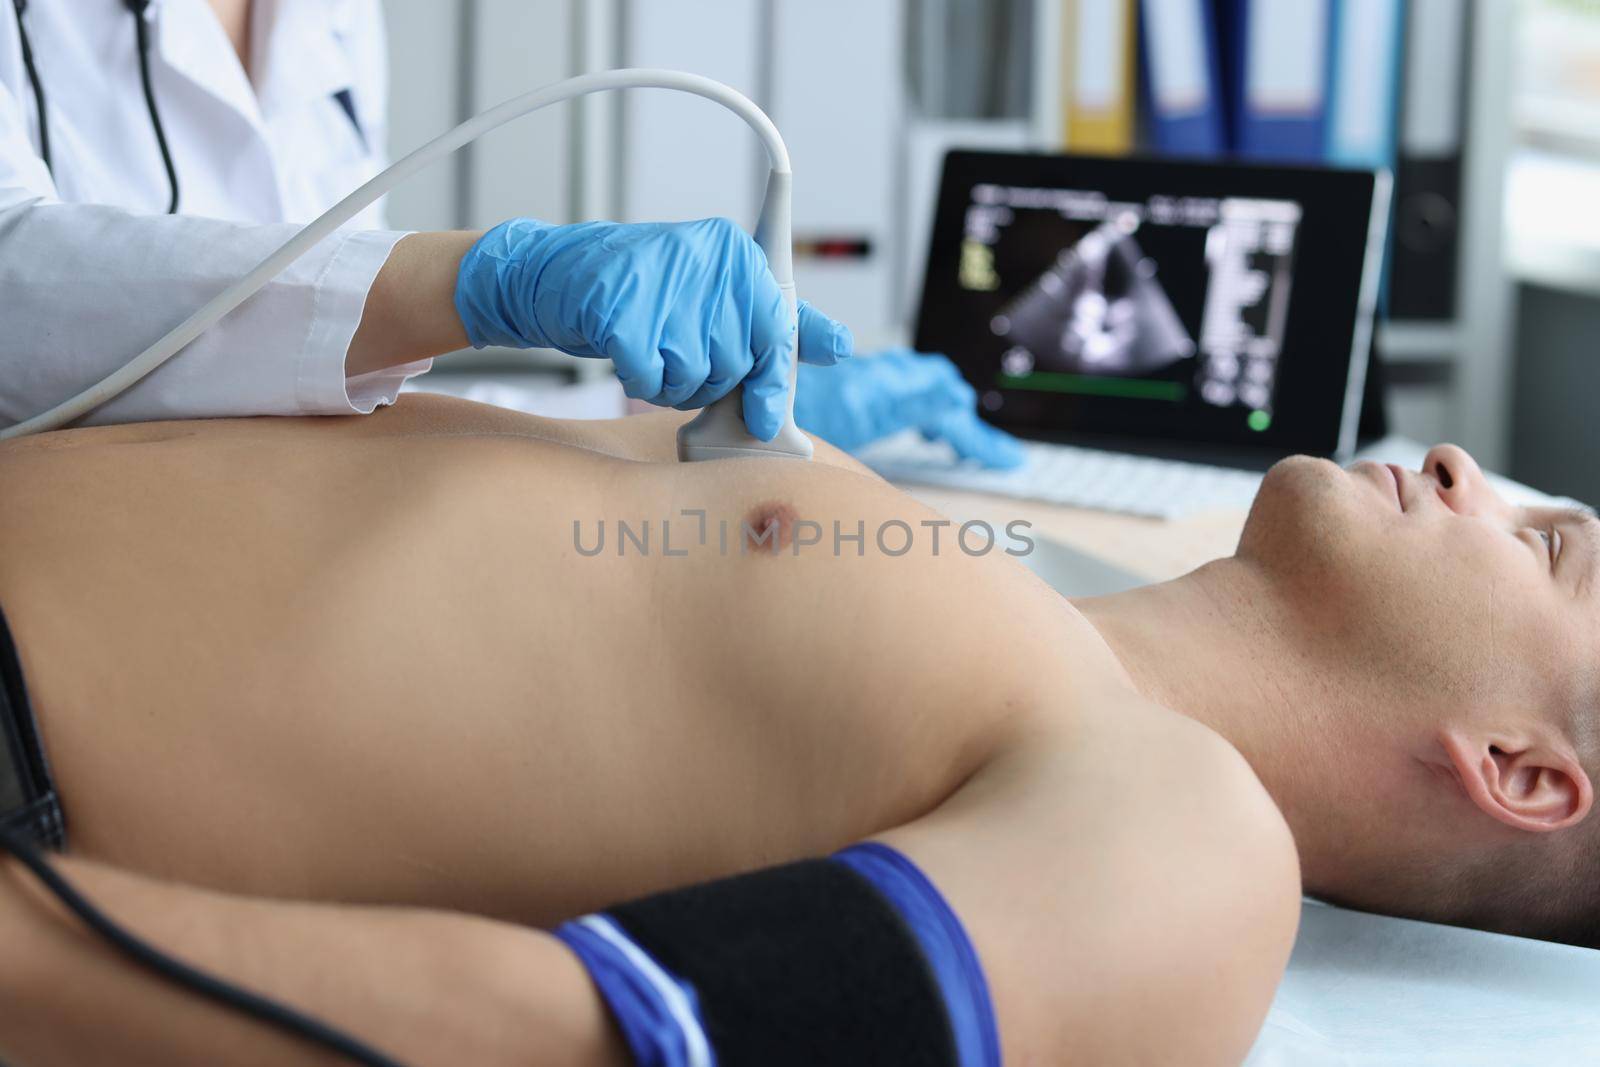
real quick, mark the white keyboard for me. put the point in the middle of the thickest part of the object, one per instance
(1077, 477)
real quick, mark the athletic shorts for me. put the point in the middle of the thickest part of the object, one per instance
(29, 804)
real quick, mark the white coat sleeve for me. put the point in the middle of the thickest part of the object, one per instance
(84, 288)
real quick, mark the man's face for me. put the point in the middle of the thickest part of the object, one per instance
(1429, 588)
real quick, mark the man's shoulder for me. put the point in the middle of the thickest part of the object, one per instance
(1195, 766)
(1187, 867)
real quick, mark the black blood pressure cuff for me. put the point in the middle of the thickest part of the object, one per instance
(841, 961)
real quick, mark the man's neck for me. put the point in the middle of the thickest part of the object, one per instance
(1217, 646)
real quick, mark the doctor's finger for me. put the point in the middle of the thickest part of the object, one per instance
(823, 341)
(687, 355)
(729, 350)
(918, 388)
(974, 439)
(639, 365)
(772, 344)
(766, 390)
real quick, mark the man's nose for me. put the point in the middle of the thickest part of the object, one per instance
(1460, 482)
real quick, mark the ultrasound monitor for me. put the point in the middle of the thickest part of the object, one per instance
(1152, 305)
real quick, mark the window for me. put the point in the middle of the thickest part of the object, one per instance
(1557, 102)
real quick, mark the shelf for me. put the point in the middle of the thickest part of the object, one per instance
(1418, 342)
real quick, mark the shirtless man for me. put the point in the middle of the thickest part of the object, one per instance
(293, 674)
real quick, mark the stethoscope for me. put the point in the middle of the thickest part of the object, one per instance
(142, 32)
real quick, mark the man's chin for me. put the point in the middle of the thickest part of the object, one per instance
(1298, 500)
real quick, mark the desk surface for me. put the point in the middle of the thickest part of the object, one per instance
(1151, 548)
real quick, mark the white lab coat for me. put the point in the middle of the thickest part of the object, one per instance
(92, 271)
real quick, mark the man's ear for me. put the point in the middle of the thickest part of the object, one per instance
(1531, 784)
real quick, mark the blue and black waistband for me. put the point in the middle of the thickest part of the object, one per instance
(29, 804)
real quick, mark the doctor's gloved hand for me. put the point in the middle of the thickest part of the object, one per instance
(686, 311)
(858, 402)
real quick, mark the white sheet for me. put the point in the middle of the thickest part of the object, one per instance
(1371, 991)
(530, 393)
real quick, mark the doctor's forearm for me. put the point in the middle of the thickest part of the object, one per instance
(428, 987)
(411, 312)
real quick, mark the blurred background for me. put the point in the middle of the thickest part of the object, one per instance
(1488, 111)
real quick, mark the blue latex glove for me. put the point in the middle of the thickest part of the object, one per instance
(858, 402)
(686, 311)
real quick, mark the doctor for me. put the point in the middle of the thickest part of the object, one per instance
(152, 151)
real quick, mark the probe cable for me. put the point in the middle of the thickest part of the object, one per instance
(166, 347)
(275, 1015)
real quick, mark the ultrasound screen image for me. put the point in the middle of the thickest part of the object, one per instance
(1174, 299)
(1099, 309)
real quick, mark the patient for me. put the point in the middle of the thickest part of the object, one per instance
(289, 673)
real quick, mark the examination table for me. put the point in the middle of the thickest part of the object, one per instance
(1371, 991)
